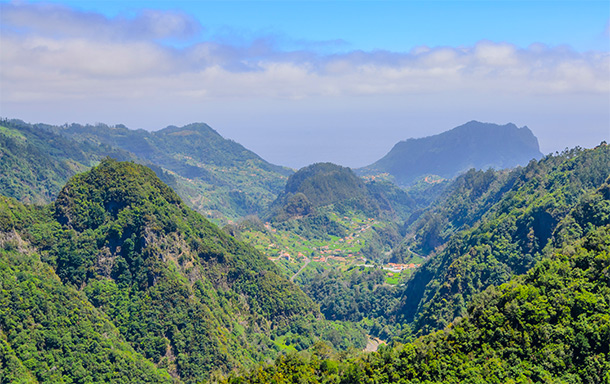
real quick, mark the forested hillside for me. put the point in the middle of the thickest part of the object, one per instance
(35, 163)
(512, 234)
(179, 291)
(51, 333)
(551, 324)
(219, 178)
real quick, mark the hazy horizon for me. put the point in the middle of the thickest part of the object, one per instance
(303, 82)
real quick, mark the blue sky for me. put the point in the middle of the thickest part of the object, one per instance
(299, 82)
(389, 25)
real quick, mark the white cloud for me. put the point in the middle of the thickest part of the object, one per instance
(496, 55)
(53, 55)
(48, 50)
(60, 21)
(39, 62)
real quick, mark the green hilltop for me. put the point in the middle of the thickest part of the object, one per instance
(325, 184)
(173, 288)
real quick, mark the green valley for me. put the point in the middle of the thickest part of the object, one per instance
(550, 323)
(111, 272)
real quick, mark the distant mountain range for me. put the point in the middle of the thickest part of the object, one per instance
(472, 145)
(218, 177)
(222, 179)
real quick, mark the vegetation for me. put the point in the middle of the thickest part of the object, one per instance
(358, 294)
(485, 228)
(327, 222)
(472, 145)
(551, 324)
(52, 334)
(217, 177)
(35, 163)
(117, 280)
(326, 209)
(510, 237)
(329, 185)
(186, 296)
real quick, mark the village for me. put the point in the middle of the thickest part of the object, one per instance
(296, 252)
(349, 258)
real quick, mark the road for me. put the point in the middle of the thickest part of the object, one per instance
(307, 260)
(409, 249)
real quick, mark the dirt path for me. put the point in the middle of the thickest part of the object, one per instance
(373, 344)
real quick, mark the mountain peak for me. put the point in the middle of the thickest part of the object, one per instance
(472, 145)
(193, 127)
(90, 198)
(325, 183)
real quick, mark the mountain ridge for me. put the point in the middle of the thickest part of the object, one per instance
(471, 145)
(188, 300)
(218, 177)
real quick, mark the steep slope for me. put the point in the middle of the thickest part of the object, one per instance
(460, 206)
(218, 177)
(50, 332)
(472, 145)
(549, 325)
(507, 239)
(185, 295)
(35, 163)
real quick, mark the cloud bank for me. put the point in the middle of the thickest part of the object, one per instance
(54, 53)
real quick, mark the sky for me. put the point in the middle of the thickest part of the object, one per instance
(300, 82)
